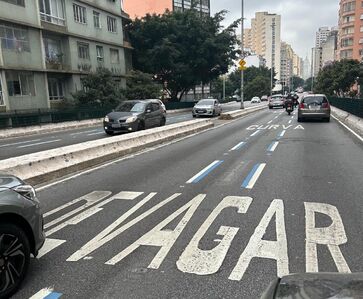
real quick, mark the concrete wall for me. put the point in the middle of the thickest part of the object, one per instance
(28, 14)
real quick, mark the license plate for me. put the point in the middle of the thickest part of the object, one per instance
(116, 126)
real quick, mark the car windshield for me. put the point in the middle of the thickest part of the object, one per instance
(131, 107)
(206, 102)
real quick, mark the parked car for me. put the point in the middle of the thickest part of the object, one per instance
(21, 232)
(276, 101)
(255, 100)
(315, 106)
(264, 98)
(207, 107)
(136, 115)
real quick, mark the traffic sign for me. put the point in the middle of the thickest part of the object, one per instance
(242, 65)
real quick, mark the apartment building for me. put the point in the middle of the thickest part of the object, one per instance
(350, 38)
(264, 38)
(325, 48)
(139, 8)
(287, 65)
(297, 66)
(47, 46)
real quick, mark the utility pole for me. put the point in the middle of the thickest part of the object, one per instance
(312, 68)
(242, 53)
(272, 54)
(224, 88)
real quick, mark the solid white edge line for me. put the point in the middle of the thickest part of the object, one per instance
(256, 175)
(39, 143)
(202, 171)
(43, 187)
(349, 129)
(42, 293)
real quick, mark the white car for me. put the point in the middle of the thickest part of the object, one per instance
(255, 100)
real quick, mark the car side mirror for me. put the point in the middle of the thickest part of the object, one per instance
(148, 110)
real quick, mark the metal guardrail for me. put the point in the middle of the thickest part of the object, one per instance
(353, 106)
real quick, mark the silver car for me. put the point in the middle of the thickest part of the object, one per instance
(315, 106)
(207, 107)
(276, 101)
(21, 231)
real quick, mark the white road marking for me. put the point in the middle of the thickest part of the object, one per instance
(39, 143)
(111, 232)
(290, 121)
(42, 293)
(331, 236)
(349, 129)
(49, 245)
(282, 133)
(20, 142)
(162, 238)
(205, 262)
(292, 117)
(238, 146)
(257, 247)
(97, 133)
(84, 132)
(273, 146)
(204, 172)
(270, 121)
(253, 176)
(255, 133)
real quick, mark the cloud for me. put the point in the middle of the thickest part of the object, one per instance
(300, 18)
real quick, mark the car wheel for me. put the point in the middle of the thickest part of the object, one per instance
(299, 119)
(109, 133)
(141, 126)
(162, 122)
(194, 116)
(14, 258)
(327, 119)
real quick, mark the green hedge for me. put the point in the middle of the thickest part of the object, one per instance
(353, 106)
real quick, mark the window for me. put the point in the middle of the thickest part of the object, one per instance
(111, 24)
(155, 107)
(350, 6)
(99, 51)
(16, 2)
(14, 38)
(115, 58)
(52, 11)
(348, 19)
(83, 51)
(20, 83)
(56, 89)
(53, 50)
(347, 42)
(79, 14)
(96, 19)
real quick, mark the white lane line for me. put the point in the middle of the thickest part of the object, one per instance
(255, 133)
(349, 129)
(292, 117)
(290, 121)
(282, 133)
(238, 146)
(204, 172)
(270, 121)
(253, 176)
(97, 133)
(20, 142)
(275, 117)
(273, 146)
(39, 143)
(83, 132)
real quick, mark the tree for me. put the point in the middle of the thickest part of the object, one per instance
(297, 82)
(99, 90)
(217, 87)
(141, 86)
(183, 49)
(338, 76)
(308, 84)
(257, 87)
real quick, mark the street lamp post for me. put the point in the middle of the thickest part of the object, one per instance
(272, 54)
(242, 54)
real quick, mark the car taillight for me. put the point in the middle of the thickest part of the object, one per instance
(325, 105)
(302, 106)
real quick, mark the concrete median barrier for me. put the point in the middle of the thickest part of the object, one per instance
(352, 121)
(239, 113)
(45, 166)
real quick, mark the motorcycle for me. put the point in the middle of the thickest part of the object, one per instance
(289, 107)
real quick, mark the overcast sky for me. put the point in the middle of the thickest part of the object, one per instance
(300, 18)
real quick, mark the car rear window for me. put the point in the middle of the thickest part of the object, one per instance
(206, 102)
(318, 100)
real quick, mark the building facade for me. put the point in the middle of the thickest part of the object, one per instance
(139, 8)
(325, 49)
(264, 38)
(321, 36)
(47, 46)
(350, 38)
(287, 66)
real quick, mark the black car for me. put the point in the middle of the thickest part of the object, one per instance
(131, 116)
(21, 231)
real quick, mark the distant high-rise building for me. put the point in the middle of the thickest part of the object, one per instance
(325, 50)
(321, 36)
(306, 68)
(350, 37)
(139, 8)
(287, 65)
(264, 39)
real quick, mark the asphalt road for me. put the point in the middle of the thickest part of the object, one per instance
(216, 215)
(13, 147)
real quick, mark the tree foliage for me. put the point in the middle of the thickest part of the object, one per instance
(297, 82)
(141, 86)
(99, 90)
(183, 49)
(338, 76)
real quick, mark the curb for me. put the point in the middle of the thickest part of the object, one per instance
(48, 165)
(352, 121)
(239, 113)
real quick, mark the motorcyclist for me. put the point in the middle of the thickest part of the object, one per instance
(289, 100)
